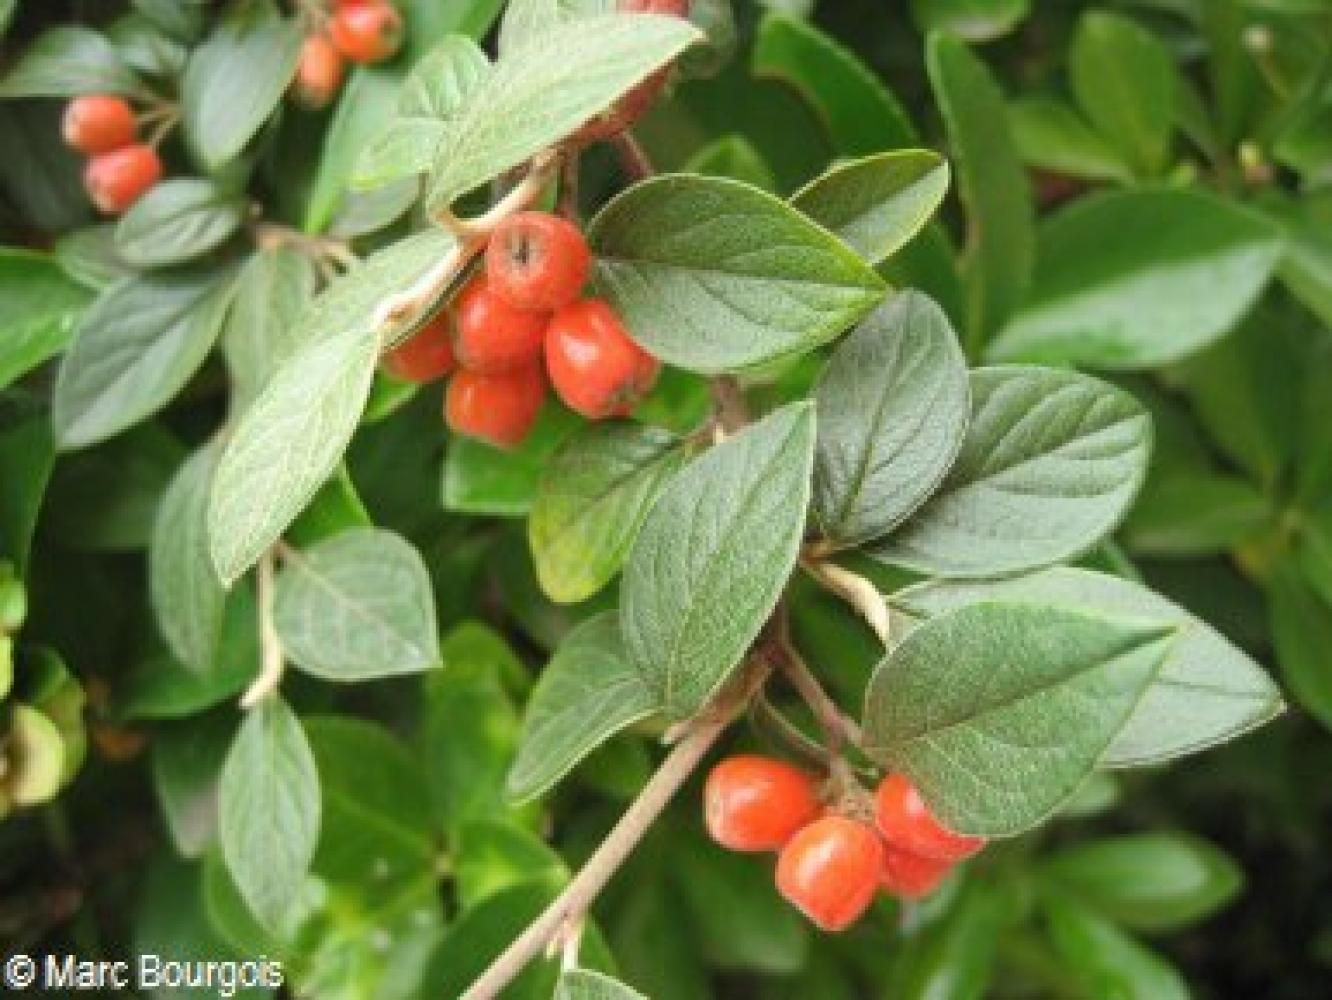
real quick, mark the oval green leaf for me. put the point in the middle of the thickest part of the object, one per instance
(713, 556)
(1051, 461)
(178, 220)
(713, 275)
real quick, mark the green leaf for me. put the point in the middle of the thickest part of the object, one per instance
(269, 809)
(366, 105)
(538, 94)
(89, 256)
(1301, 624)
(1195, 514)
(1124, 79)
(527, 21)
(1207, 690)
(861, 115)
(431, 97)
(735, 157)
(974, 20)
(955, 955)
(429, 22)
(482, 479)
(187, 596)
(134, 350)
(70, 61)
(713, 556)
(1135, 279)
(1000, 236)
(1051, 135)
(1148, 881)
(493, 856)
(178, 220)
(187, 767)
(893, 406)
(357, 606)
(1050, 464)
(38, 309)
(1306, 268)
(272, 291)
(236, 78)
(582, 984)
(376, 831)
(27, 455)
(285, 446)
(998, 711)
(588, 692)
(878, 204)
(713, 275)
(334, 509)
(1107, 961)
(591, 500)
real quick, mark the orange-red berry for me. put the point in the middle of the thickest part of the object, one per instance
(595, 366)
(753, 803)
(367, 31)
(500, 409)
(116, 180)
(830, 871)
(911, 876)
(319, 72)
(536, 260)
(491, 335)
(427, 355)
(907, 823)
(98, 123)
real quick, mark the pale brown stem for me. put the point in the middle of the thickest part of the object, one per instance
(837, 727)
(731, 406)
(634, 161)
(271, 659)
(858, 592)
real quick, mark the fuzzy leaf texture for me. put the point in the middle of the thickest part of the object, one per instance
(713, 556)
(714, 275)
(998, 711)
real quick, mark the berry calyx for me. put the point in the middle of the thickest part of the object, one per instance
(319, 71)
(366, 31)
(753, 803)
(116, 180)
(538, 261)
(594, 365)
(911, 876)
(830, 871)
(499, 409)
(492, 336)
(907, 823)
(426, 356)
(98, 123)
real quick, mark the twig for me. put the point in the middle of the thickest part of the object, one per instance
(634, 161)
(567, 206)
(472, 235)
(856, 591)
(731, 406)
(837, 727)
(572, 904)
(272, 661)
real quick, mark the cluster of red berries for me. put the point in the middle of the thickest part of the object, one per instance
(523, 306)
(120, 169)
(831, 863)
(364, 31)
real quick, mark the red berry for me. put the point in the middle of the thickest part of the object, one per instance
(594, 365)
(830, 871)
(907, 823)
(500, 409)
(319, 72)
(909, 875)
(492, 336)
(98, 123)
(426, 355)
(755, 803)
(366, 32)
(117, 179)
(536, 260)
